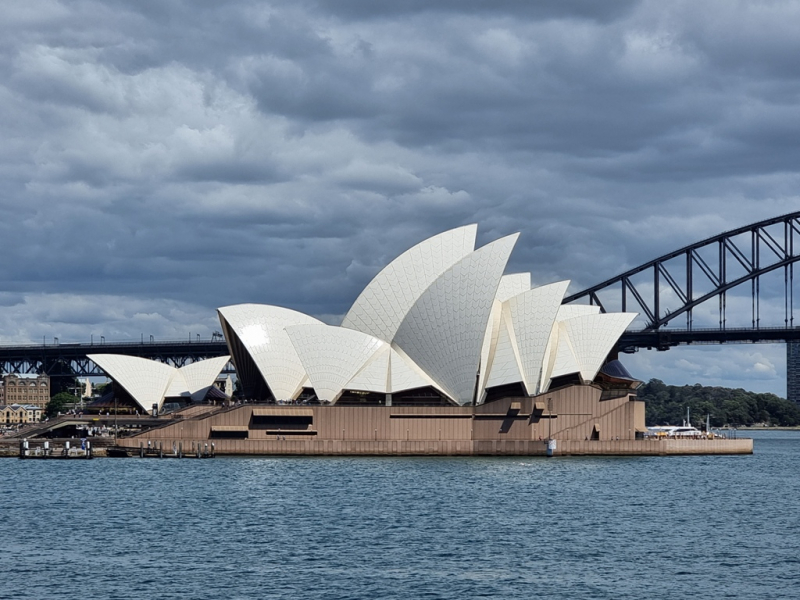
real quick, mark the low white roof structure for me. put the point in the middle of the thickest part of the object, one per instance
(591, 338)
(148, 382)
(442, 316)
(331, 356)
(195, 379)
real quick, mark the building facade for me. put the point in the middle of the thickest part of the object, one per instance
(33, 391)
(18, 414)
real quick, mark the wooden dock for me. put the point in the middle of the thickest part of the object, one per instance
(47, 451)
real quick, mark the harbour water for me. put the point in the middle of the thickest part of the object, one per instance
(406, 528)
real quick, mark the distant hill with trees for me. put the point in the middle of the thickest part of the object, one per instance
(666, 405)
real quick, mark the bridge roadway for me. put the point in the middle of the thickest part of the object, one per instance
(70, 359)
(664, 339)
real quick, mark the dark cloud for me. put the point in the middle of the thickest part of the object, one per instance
(546, 9)
(161, 159)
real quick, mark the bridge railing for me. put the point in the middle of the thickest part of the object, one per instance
(123, 343)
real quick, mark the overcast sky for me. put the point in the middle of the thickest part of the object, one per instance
(160, 159)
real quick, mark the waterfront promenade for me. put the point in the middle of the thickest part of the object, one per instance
(575, 422)
(305, 447)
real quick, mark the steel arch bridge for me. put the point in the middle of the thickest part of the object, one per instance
(69, 360)
(705, 272)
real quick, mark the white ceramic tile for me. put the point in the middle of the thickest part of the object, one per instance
(383, 304)
(445, 330)
(332, 356)
(261, 329)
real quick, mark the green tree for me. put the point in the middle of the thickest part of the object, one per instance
(58, 403)
(101, 389)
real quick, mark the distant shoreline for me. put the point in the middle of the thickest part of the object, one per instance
(760, 428)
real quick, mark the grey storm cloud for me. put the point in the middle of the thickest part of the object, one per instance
(161, 159)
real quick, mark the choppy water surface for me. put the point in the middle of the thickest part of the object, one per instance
(724, 527)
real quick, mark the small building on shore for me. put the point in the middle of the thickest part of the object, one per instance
(19, 414)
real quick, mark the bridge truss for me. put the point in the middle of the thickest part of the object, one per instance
(706, 272)
(71, 359)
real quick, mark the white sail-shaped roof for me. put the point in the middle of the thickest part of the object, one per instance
(533, 314)
(592, 337)
(489, 347)
(444, 330)
(562, 358)
(198, 377)
(564, 361)
(568, 363)
(384, 303)
(374, 375)
(405, 375)
(262, 331)
(510, 285)
(146, 381)
(549, 358)
(331, 356)
(177, 387)
(389, 372)
(505, 361)
(441, 315)
(568, 311)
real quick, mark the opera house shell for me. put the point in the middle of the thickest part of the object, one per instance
(442, 324)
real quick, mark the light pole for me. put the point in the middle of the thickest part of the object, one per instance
(549, 419)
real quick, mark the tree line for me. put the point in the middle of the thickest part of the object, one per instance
(666, 405)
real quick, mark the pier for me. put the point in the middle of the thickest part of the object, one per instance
(45, 450)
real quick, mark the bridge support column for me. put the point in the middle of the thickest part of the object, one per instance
(793, 371)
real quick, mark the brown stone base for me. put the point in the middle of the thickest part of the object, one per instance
(575, 416)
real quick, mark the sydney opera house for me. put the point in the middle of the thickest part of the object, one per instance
(442, 324)
(442, 353)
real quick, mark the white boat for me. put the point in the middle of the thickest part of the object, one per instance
(685, 431)
(675, 431)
